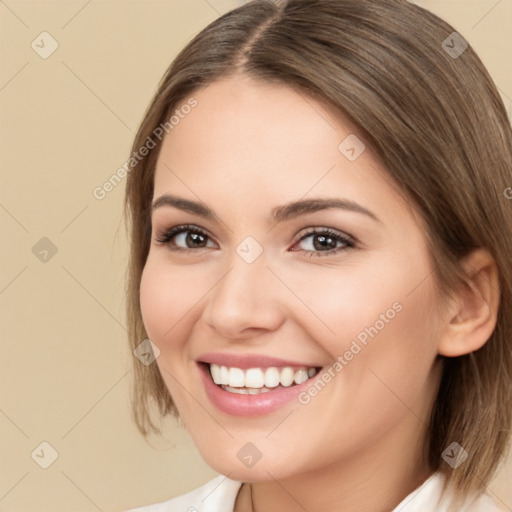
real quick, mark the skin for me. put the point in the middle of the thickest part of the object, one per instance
(246, 148)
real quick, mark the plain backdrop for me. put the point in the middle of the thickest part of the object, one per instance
(67, 122)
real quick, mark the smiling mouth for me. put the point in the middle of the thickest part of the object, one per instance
(254, 381)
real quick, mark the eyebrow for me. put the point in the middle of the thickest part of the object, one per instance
(279, 213)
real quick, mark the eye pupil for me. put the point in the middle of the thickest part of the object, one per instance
(195, 238)
(324, 241)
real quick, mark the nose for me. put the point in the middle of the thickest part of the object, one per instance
(247, 301)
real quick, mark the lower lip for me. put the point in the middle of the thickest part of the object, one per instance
(237, 404)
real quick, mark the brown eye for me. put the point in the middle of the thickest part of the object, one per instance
(323, 242)
(184, 238)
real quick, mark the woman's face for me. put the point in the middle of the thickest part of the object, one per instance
(347, 288)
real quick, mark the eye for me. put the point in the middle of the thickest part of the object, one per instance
(184, 238)
(317, 242)
(325, 242)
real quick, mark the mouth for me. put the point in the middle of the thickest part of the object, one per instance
(253, 385)
(257, 380)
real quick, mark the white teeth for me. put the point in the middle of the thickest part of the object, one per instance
(246, 391)
(254, 378)
(215, 373)
(301, 376)
(271, 377)
(287, 376)
(223, 375)
(258, 379)
(236, 378)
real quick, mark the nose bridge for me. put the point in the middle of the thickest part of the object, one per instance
(246, 297)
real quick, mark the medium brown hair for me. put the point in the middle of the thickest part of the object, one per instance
(437, 122)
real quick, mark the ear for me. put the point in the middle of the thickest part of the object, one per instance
(474, 307)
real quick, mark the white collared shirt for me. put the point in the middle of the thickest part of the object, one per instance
(219, 495)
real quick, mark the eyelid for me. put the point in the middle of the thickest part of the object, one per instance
(324, 229)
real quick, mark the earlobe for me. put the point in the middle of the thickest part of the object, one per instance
(474, 307)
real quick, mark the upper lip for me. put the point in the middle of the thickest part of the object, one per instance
(245, 361)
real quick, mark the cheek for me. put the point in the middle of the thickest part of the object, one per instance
(389, 353)
(376, 321)
(352, 302)
(166, 299)
(154, 303)
(383, 371)
(390, 297)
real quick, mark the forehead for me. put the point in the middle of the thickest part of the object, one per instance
(249, 143)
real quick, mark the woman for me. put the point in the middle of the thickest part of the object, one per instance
(374, 378)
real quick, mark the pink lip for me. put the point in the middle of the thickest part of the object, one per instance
(249, 405)
(245, 361)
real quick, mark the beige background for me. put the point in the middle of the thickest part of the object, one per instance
(67, 125)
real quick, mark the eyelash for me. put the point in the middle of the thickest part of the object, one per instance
(348, 242)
